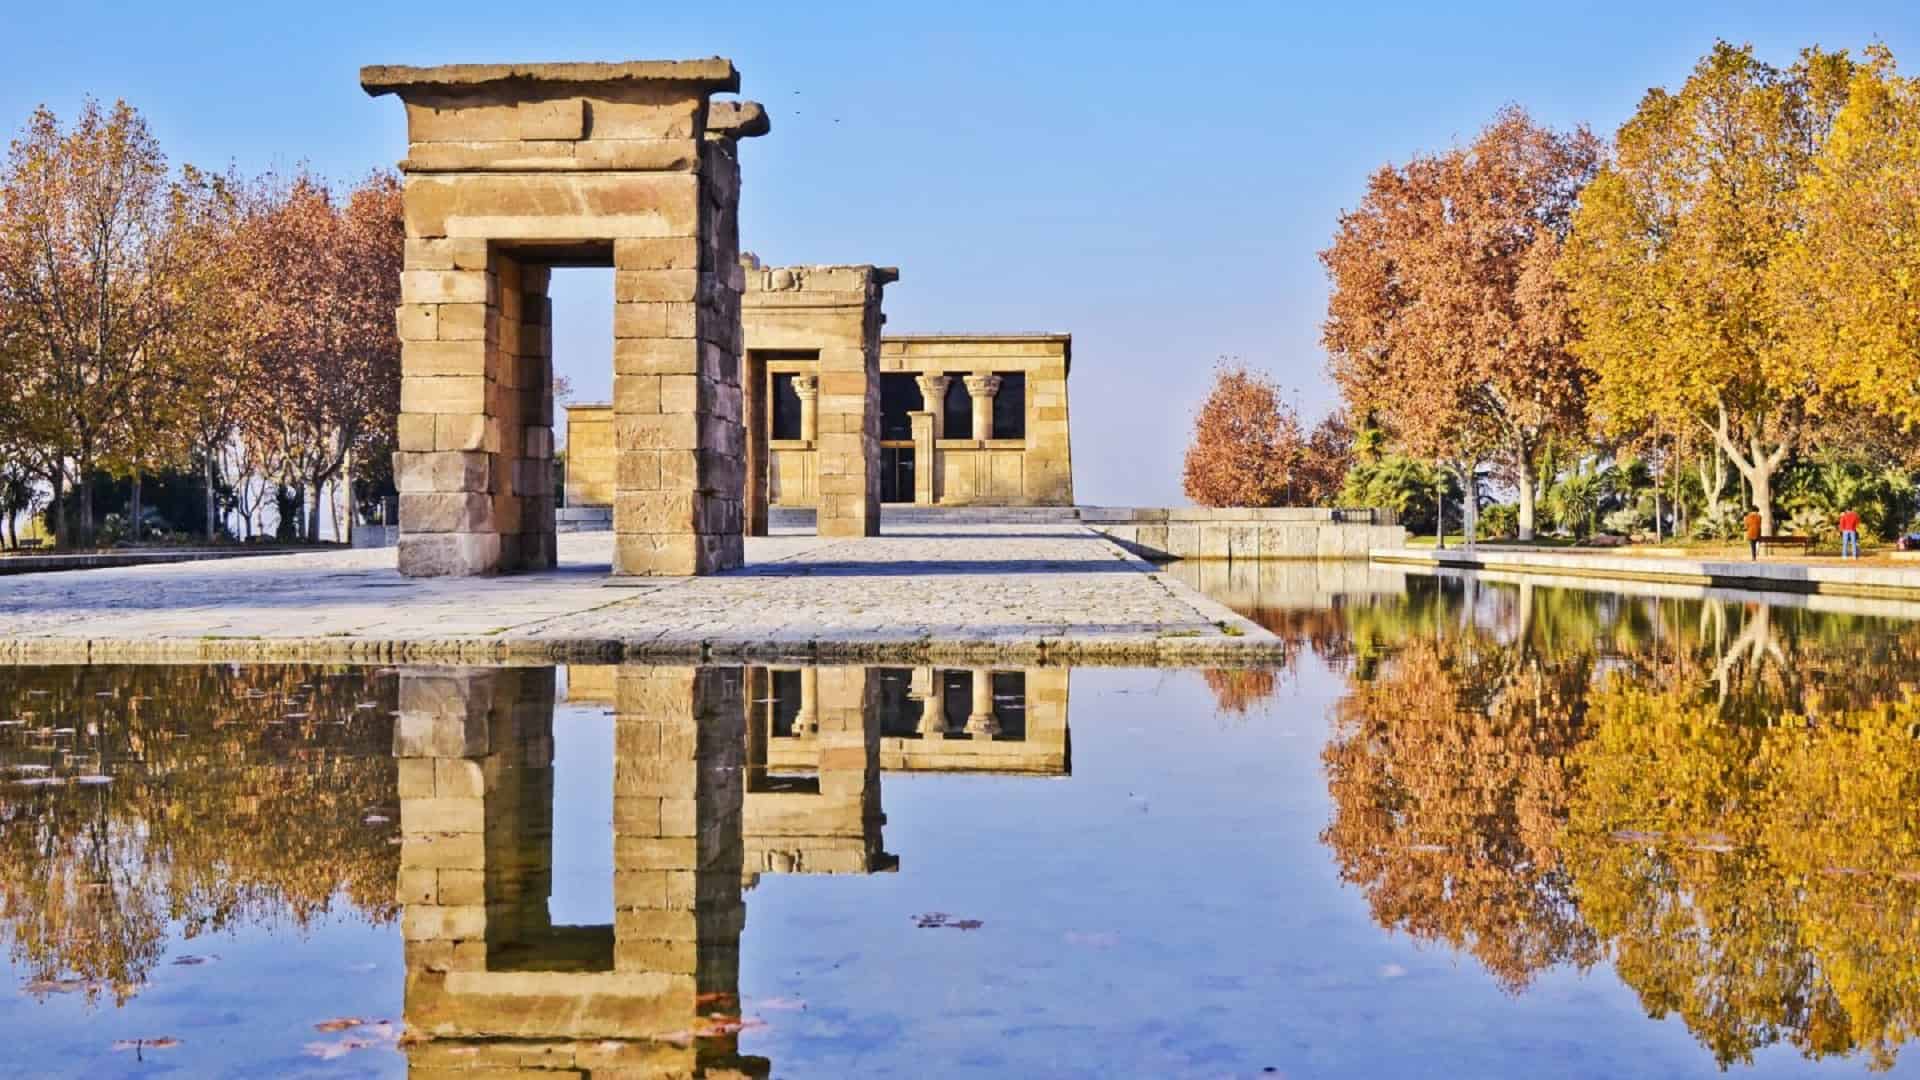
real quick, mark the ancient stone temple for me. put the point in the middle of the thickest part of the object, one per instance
(962, 419)
(512, 170)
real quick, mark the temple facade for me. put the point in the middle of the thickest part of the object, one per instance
(843, 419)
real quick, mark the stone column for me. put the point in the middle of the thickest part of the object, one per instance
(981, 389)
(980, 721)
(933, 702)
(933, 399)
(807, 720)
(923, 456)
(755, 414)
(807, 389)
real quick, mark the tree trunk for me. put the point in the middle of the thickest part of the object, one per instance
(1440, 518)
(85, 491)
(210, 487)
(1526, 507)
(1469, 506)
(346, 480)
(313, 510)
(59, 515)
(1756, 466)
(134, 527)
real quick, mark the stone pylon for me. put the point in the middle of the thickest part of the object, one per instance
(512, 170)
(830, 315)
(493, 987)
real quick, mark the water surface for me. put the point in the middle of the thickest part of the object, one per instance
(1468, 829)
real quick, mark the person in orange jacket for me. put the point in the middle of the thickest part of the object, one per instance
(1849, 534)
(1753, 533)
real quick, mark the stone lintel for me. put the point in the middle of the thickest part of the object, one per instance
(712, 75)
(737, 119)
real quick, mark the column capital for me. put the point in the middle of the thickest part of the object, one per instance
(983, 385)
(933, 389)
(807, 386)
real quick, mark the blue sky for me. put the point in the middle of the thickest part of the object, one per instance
(1155, 179)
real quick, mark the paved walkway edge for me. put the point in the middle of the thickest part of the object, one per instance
(1866, 581)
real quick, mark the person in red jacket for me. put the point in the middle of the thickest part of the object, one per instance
(1753, 532)
(1849, 534)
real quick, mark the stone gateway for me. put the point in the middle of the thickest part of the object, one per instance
(512, 170)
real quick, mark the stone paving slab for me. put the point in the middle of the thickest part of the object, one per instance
(1033, 593)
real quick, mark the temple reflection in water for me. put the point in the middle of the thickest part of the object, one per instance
(720, 775)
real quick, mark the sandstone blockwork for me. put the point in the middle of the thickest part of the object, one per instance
(512, 170)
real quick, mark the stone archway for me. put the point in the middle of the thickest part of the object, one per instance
(513, 169)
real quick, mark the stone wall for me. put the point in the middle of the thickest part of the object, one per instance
(590, 454)
(1243, 534)
(976, 468)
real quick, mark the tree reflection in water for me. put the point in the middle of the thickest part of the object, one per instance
(142, 802)
(1720, 798)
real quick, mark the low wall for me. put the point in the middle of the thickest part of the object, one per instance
(1793, 577)
(1242, 534)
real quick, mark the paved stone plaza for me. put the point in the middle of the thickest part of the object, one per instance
(1014, 592)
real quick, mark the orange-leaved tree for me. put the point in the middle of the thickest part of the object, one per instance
(1246, 442)
(1448, 321)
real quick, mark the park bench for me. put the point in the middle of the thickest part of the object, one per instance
(29, 542)
(1801, 542)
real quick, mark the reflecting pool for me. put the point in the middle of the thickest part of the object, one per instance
(1470, 827)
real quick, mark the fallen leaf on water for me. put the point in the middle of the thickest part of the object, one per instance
(937, 919)
(339, 1023)
(192, 961)
(137, 1045)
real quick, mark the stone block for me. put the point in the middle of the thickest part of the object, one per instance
(428, 922)
(443, 287)
(443, 472)
(460, 887)
(657, 356)
(670, 253)
(430, 735)
(415, 432)
(446, 512)
(439, 814)
(416, 778)
(464, 431)
(450, 851)
(418, 885)
(553, 207)
(448, 554)
(444, 394)
(655, 286)
(433, 358)
(458, 779)
(558, 118)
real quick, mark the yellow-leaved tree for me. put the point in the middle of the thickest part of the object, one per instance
(1672, 251)
(1847, 283)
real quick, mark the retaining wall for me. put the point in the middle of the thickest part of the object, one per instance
(1240, 534)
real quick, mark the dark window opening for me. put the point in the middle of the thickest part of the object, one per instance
(899, 396)
(785, 692)
(1010, 406)
(956, 695)
(896, 474)
(786, 407)
(957, 410)
(900, 711)
(1010, 704)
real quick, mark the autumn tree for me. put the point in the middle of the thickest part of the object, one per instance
(323, 278)
(1448, 321)
(1672, 253)
(1246, 442)
(90, 276)
(1846, 283)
